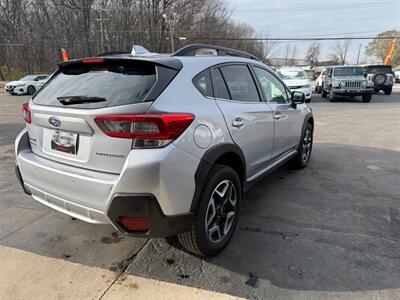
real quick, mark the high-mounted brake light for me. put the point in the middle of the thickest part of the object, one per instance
(92, 60)
(146, 130)
(26, 113)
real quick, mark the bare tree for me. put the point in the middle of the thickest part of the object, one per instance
(313, 53)
(35, 30)
(340, 50)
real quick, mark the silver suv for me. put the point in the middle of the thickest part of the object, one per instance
(346, 81)
(160, 145)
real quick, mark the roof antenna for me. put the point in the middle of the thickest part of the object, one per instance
(139, 50)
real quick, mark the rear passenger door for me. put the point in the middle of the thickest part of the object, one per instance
(248, 119)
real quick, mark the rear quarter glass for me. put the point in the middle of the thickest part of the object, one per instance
(119, 82)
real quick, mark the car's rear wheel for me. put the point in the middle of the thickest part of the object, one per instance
(30, 90)
(367, 98)
(319, 89)
(304, 149)
(388, 91)
(324, 94)
(217, 214)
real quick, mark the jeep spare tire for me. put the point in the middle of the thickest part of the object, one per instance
(379, 79)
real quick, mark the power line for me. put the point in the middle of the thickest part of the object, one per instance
(292, 39)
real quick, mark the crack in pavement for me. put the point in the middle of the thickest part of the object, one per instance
(121, 273)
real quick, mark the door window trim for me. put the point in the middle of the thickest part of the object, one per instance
(287, 90)
(218, 66)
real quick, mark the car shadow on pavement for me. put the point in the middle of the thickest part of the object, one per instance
(334, 226)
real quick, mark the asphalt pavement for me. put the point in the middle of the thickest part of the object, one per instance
(329, 231)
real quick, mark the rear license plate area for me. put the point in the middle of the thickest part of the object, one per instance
(64, 141)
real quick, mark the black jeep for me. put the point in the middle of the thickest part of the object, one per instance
(381, 76)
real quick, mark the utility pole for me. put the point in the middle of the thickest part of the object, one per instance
(171, 29)
(100, 19)
(358, 55)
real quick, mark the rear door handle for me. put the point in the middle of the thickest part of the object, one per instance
(277, 115)
(238, 122)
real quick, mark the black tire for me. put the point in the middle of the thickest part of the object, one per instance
(30, 90)
(388, 91)
(366, 98)
(308, 100)
(324, 94)
(332, 96)
(379, 79)
(197, 240)
(319, 89)
(300, 161)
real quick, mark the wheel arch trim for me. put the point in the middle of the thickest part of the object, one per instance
(209, 159)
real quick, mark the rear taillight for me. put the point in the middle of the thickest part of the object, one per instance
(26, 112)
(147, 131)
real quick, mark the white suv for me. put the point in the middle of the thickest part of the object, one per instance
(160, 145)
(297, 80)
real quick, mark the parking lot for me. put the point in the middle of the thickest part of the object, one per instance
(330, 230)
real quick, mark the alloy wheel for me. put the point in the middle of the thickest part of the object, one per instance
(307, 144)
(221, 211)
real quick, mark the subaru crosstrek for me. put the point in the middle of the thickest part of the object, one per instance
(160, 145)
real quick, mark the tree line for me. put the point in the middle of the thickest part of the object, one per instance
(32, 32)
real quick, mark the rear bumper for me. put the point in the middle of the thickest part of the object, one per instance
(103, 198)
(146, 205)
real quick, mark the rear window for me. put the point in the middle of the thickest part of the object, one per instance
(240, 83)
(118, 82)
(203, 83)
(379, 69)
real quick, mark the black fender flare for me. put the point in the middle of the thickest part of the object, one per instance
(305, 122)
(207, 161)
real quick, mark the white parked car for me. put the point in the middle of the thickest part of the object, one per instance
(26, 85)
(397, 76)
(41, 83)
(297, 80)
(319, 82)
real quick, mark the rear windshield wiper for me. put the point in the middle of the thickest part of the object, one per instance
(66, 100)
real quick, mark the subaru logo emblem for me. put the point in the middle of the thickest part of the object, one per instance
(54, 121)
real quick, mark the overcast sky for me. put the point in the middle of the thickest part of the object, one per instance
(310, 18)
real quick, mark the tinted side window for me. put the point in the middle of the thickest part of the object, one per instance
(220, 89)
(272, 88)
(202, 82)
(240, 83)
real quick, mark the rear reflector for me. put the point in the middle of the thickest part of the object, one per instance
(135, 224)
(147, 131)
(26, 113)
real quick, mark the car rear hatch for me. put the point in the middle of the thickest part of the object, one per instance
(62, 118)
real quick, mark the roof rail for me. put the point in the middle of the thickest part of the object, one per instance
(190, 50)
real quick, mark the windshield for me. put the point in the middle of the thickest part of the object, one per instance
(119, 83)
(379, 69)
(348, 71)
(28, 78)
(292, 74)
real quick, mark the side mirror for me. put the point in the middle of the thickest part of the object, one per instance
(298, 98)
